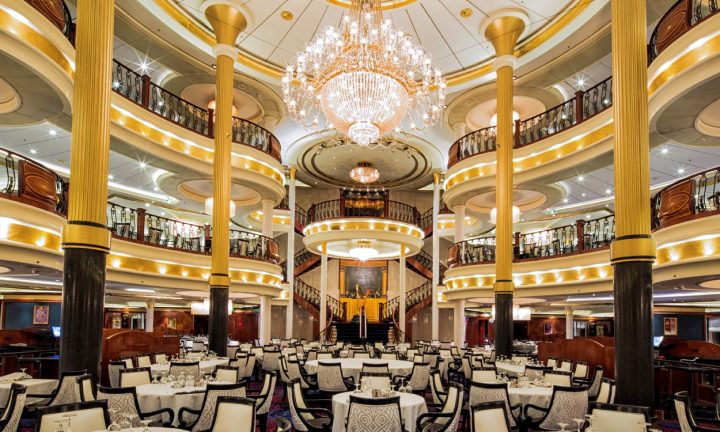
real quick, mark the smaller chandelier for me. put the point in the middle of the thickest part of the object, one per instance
(364, 173)
(209, 204)
(515, 215)
(363, 251)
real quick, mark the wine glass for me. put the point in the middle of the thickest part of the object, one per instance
(131, 416)
(357, 387)
(562, 425)
(24, 374)
(579, 422)
(146, 425)
(125, 423)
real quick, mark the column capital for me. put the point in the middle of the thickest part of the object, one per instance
(292, 171)
(227, 50)
(437, 177)
(504, 61)
(227, 19)
(503, 29)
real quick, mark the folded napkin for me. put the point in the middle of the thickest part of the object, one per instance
(16, 376)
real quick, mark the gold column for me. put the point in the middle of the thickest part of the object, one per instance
(227, 20)
(503, 29)
(633, 250)
(85, 238)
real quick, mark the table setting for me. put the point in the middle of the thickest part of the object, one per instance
(34, 385)
(207, 365)
(353, 366)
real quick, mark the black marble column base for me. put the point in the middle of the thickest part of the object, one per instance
(503, 324)
(218, 320)
(83, 307)
(634, 374)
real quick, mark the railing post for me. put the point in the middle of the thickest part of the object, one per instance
(145, 95)
(208, 237)
(516, 249)
(580, 232)
(517, 133)
(579, 106)
(140, 225)
(211, 122)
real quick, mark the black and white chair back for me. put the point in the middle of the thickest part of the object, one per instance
(484, 375)
(494, 392)
(684, 413)
(271, 360)
(388, 356)
(135, 377)
(374, 414)
(324, 356)
(594, 386)
(206, 414)
(437, 388)
(614, 418)
(233, 414)
(566, 404)
(558, 378)
(227, 374)
(81, 416)
(249, 366)
(361, 354)
(376, 367)
(67, 391)
(303, 417)
(536, 372)
(552, 362)
(189, 369)
(581, 370)
(432, 359)
(493, 356)
(86, 387)
(605, 391)
(232, 350)
(448, 418)
(10, 420)
(330, 378)
(295, 372)
(419, 378)
(128, 362)
(114, 368)
(565, 365)
(161, 358)
(489, 417)
(378, 380)
(144, 361)
(312, 355)
(123, 400)
(263, 400)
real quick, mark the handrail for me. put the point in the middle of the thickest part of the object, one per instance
(29, 182)
(669, 28)
(694, 196)
(312, 296)
(394, 210)
(412, 298)
(142, 91)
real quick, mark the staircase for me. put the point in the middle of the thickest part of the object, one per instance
(309, 298)
(421, 264)
(415, 301)
(350, 332)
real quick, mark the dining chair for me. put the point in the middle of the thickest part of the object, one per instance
(82, 416)
(135, 377)
(533, 372)
(249, 366)
(271, 360)
(305, 418)
(558, 377)
(388, 355)
(495, 392)
(581, 370)
(311, 355)
(10, 420)
(144, 360)
(263, 398)
(330, 378)
(374, 414)
(437, 389)
(232, 350)
(227, 374)
(206, 412)
(189, 369)
(86, 387)
(419, 378)
(489, 417)
(566, 403)
(114, 368)
(448, 418)
(552, 362)
(198, 346)
(324, 356)
(66, 392)
(592, 384)
(686, 419)
(124, 400)
(493, 356)
(614, 418)
(432, 359)
(484, 375)
(233, 414)
(565, 365)
(376, 367)
(129, 364)
(160, 358)
(295, 371)
(379, 380)
(361, 354)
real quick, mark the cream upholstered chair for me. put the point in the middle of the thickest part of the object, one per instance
(82, 416)
(361, 354)
(263, 398)
(494, 392)
(565, 365)
(86, 387)
(489, 417)
(249, 366)
(128, 362)
(375, 367)
(189, 369)
(135, 377)
(581, 370)
(114, 368)
(232, 350)
(558, 378)
(566, 404)
(161, 358)
(271, 360)
(593, 384)
(66, 392)
(324, 356)
(306, 418)
(295, 371)
(552, 362)
(606, 391)
(437, 388)
(389, 355)
(330, 378)
(614, 418)
(227, 374)
(121, 401)
(234, 414)
(10, 419)
(433, 359)
(484, 375)
(419, 378)
(449, 416)
(144, 361)
(379, 380)
(204, 416)
(374, 414)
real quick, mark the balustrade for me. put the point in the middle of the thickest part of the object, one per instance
(312, 296)
(336, 209)
(412, 298)
(27, 181)
(681, 17)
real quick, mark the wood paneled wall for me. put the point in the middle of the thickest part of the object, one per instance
(581, 349)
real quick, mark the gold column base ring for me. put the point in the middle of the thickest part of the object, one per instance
(218, 280)
(504, 287)
(639, 247)
(85, 235)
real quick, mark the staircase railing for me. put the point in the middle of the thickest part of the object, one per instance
(312, 296)
(425, 260)
(412, 298)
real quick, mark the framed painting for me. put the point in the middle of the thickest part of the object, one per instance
(172, 323)
(363, 279)
(547, 328)
(670, 327)
(41, 315)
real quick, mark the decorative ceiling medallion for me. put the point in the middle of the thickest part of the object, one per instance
(287, 15)
(466, 13)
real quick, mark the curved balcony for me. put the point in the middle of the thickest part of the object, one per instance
(681, 17)
(341, 208)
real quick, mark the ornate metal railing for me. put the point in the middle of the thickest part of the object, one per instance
(550, 242)
(692, 197)
(393, 210)
(597, 98)
(141, 90)
(412, 298)
(543, 125)
(301, 216)
(26, 181)
(684, 15)
(474, 143)
(57, 13)
(302, 256)
(312, 296)
(472, 251)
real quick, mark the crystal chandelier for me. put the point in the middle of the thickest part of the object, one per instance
(363, 251)
(366, 79)
(364, 173)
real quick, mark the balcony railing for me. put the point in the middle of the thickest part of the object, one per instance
(583, 106)
(312, 296)
(693, 197)
(412, 298)
(684, 15)
(26, 181)
(393, 210)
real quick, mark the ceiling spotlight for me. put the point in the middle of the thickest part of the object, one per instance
(565, 200)
(110, 176)
(664, 150)
(681, 170)
(33, 151)
(143, 67)
(608, 191)
(581, 178)
(142, 165)
(52, 132)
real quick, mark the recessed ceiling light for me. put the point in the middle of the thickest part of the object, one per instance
(581, 178)
(583, 194)
(565, 200)
(156, 189)
(286, 15)
(141, 290)
(608, 191)
(33, 151)
(52, 132)
(142, 164)
(587, 216)
(681, 170)
(147, 205)
(664, 150)
(143, 67)
(162, 213)
(466, 12)
(110, 176)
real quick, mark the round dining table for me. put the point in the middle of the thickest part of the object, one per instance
(206, 366)
(411, 407)
(353, 366)
(535, 395)
(512, 369)
(153, 397)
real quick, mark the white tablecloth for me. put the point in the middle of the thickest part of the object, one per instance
(34, 386)
(206, 366)
(411, 406)
(153, 397)
(353, 366)
(510, 368)
(539, 396)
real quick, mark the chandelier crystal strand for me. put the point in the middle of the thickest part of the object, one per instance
(366, 80)
(364, 173)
